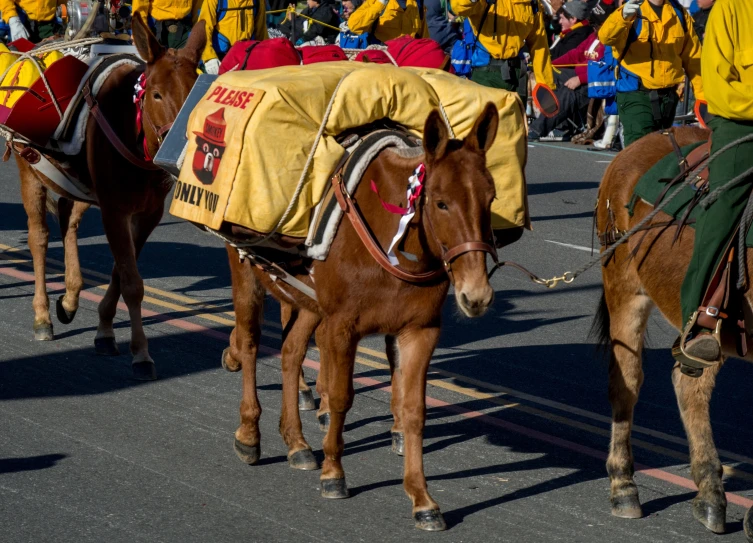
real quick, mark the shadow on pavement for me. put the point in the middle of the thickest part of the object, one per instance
(31, 463)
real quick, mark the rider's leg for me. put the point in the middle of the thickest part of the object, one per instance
(715, 226)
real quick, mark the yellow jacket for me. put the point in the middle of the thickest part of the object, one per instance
(663, 53)
(728, 60)
(517, 25)
(391, 21)
(227, 27)
(162, 10)
(37, 10)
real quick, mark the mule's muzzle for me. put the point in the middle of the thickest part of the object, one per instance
(474, 302)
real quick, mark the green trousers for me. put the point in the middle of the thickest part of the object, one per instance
(173, 34)
(492, 77)
(40, 30)
(637, 113)
(715, 226)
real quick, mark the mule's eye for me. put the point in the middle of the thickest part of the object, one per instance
(205, 148)
(156, 96)
(216, 153)
(442, 206)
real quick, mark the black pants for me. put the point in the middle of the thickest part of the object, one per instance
(573, 106)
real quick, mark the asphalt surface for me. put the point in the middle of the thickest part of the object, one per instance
(518, 417)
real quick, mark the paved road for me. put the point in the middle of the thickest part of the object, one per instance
(517, 425)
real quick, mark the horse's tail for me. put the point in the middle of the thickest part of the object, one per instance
(600, 328)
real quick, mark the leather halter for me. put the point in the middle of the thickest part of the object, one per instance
(350, 209)
(143, 115)
(113, 138)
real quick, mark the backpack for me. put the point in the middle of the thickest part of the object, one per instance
(627, 81)
(219, 42)
(467, 52)
(259, 55)
(348, 40)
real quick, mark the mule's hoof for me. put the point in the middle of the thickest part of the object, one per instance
(398, 443)
(144, 370)
(64, 316)
(249, 454)
(430, 520)
(43, 332)
(106, 346)
(713, 517)
(306, 400)
(334, 489)
(233, 366)
(323, 422)
(748, 525)
(303, 460)
(627, 507)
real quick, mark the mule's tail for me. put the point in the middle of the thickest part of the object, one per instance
(51, 204)
(600, 328)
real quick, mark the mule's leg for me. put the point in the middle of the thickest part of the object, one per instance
(104, 341)
(120, 231)
(693, 398)
(69, 215)
(628, 312)
(338, 350)
(396, 404)
(34, 196)
(248, 300)
(305, 395)
(229, 362)
(298, 330)
(416, 348)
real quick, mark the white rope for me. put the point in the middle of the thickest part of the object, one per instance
(446, 120)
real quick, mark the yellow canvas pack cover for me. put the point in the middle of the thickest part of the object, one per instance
(252, 133)
(21, 74)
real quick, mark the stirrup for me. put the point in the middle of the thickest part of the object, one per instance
(690, 365)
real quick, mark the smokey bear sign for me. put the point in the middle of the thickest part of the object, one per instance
(216, 130)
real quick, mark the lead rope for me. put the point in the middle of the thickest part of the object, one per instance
(568, 277)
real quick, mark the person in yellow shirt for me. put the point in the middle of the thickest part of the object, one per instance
(173, 18)
(389, 19)
(506, 26)
(728, 80)
(229, 21)
(656, 47)
(35, 22)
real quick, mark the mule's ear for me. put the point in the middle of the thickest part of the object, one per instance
(146, 44)
(485, 130)
(436, 136)
(197, 40)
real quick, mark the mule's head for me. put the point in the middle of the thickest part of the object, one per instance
(459, 194)
(170, 75)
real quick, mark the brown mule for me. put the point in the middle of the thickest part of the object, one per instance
(131, 198)
(632, 287)
(356, 297)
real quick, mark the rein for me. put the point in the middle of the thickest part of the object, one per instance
(350, 209)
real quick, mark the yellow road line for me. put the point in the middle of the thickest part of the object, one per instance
(494, 398)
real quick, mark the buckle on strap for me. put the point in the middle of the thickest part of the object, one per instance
(712, 311)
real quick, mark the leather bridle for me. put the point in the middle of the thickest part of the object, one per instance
(142, 163)
(350, 209)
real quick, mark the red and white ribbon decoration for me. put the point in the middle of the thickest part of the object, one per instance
(139, 90)
(413, 193)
